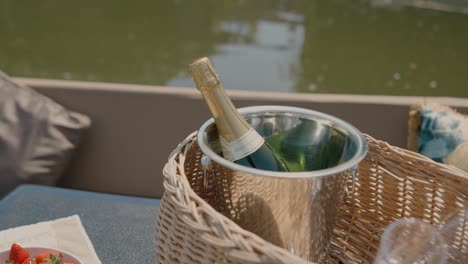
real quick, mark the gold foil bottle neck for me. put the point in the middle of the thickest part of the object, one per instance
(203, 73)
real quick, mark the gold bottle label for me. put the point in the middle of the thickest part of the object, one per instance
(243, 146)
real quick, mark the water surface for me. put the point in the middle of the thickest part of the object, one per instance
(334, 46)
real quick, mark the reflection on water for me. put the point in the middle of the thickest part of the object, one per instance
(336, 46)
(263, 58)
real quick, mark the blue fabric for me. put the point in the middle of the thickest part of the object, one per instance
(121, 228)
(440, 133)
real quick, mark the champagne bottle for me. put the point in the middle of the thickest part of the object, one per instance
(240, 142)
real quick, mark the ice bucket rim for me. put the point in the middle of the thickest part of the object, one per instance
(352, 163)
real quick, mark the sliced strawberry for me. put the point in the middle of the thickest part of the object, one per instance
(41, 257)
(46, 256)
(18, 254)
(28, 261)
(49, 257)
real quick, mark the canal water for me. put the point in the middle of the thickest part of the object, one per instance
(386, 47)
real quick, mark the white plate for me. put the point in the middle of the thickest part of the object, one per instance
(34, 251)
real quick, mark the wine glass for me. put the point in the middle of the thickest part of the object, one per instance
(409, 241)
(455, 233)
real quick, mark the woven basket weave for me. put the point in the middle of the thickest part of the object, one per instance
(391, 183)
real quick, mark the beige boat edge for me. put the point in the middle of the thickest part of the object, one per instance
(136, 127)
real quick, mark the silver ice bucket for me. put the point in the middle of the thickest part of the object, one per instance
(293, 210)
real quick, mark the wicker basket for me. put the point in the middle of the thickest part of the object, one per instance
(391, 183)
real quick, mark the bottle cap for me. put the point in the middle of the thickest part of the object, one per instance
(203, 73)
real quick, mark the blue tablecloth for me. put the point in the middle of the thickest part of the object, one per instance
(121, 228)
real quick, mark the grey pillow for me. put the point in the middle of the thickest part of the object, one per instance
(37, 136)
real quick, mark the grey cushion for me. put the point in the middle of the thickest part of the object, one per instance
(37, 136)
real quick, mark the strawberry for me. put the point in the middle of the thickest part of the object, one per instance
(45, 256)
(18, 254)
(48, 258)
(28, 261)
(41, 257)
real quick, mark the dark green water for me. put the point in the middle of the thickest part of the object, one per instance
(328, 46)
